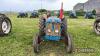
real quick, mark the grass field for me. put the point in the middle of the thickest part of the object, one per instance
(19, 41)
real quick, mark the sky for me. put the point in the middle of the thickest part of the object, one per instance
(30, 5)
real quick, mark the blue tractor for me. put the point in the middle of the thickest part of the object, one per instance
(34, 15)
(88, 15)
(52, 29)
(72, 14)
(22, 15)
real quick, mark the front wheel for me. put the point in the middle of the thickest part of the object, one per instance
(69, 46)
(36, 44)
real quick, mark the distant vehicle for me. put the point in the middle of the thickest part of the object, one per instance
(34, 15)
(22, 15)
(72, 14)
(5, 25)
(89, 15)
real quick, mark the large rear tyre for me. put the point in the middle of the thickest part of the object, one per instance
(5, 25)
(42, 27)
(96, 26)
(64, 27)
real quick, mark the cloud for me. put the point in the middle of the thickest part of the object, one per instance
(29, 5)
(49, 0)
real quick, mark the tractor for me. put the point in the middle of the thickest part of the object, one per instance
(72, 14)
(34, 15)
(96, 25)
(22, 15)
(89, 15)
(53, 28)
(5, 25)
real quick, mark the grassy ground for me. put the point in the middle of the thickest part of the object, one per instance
(19, 41)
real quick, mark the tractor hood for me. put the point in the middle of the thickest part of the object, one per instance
(53, 20)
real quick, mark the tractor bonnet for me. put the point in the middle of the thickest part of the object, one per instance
(53, 19)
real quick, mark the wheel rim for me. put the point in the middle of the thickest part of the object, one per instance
(6, 27)
(98, 26)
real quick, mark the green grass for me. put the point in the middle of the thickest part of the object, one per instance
(19, 41)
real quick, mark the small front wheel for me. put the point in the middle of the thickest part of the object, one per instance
(36, 44)
(69, 46)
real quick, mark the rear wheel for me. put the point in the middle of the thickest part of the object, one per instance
(5, 25)
(42, 27)
(64, 27)
(96, 26)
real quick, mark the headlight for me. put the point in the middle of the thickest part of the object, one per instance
(56, 31)
(49, 30)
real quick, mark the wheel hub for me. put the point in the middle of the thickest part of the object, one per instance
(5, 27)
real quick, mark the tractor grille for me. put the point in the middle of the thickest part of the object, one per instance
(53, 29)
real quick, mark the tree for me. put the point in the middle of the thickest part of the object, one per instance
(94, 12)
(42, 10)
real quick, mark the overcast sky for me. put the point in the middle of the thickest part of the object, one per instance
(29, 5)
